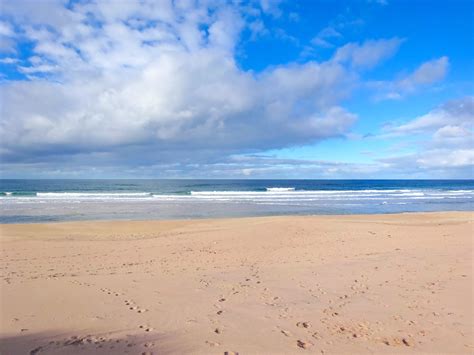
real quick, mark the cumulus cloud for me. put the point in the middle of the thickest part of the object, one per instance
(444, 158)
(379, 2)
(324, 37)
(6, 29)
(232, 166)
(432, 163)
(7, 45)
(428, 73)
(367, 54)
(447, 140)
(271, 7)
(9, 60)
(154, 88)
(198, 100)
(159, 77)
(450, 119)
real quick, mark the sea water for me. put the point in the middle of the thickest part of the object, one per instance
(62, 200)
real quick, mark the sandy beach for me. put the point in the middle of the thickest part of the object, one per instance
(269, 285)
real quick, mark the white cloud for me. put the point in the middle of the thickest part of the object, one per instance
(155, 85)
(367, 54)
(6, 29)
(48, 12)
(426, 74)
(7, 45)
(450, 132)
(322, 39)
(379, 2)
(155, 80)
(446, 143)
(447, 159)
(453, 116)
(9, 60)
(439, 164)
(257, 29)
(271, 7)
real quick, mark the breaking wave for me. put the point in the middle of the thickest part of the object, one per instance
(271, 195)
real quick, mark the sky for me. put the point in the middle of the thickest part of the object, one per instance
(314, 89)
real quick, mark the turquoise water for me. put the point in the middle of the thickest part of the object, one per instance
(60, 200)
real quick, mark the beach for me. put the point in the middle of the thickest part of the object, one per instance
(389, 283)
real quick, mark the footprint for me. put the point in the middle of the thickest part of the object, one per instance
(303, 324)
(36, 350)
(286, 333)
(303, 344)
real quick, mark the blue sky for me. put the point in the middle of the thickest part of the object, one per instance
(237, 89)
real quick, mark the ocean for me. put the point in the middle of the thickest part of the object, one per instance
(29, 201)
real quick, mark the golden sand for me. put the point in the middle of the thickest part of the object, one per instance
(273, 285)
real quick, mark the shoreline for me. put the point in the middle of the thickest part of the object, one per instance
(185, 219)
(371, 283)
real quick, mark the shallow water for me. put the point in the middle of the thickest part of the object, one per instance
(62, 200)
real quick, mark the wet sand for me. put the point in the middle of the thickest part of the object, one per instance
(269, 285)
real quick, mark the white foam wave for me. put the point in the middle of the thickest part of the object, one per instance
(92, 194)
(280, 189)
(292, 191)
(313, 196)
(287, 196)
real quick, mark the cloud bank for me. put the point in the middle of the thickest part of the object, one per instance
(155, 86)
(160, 76)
